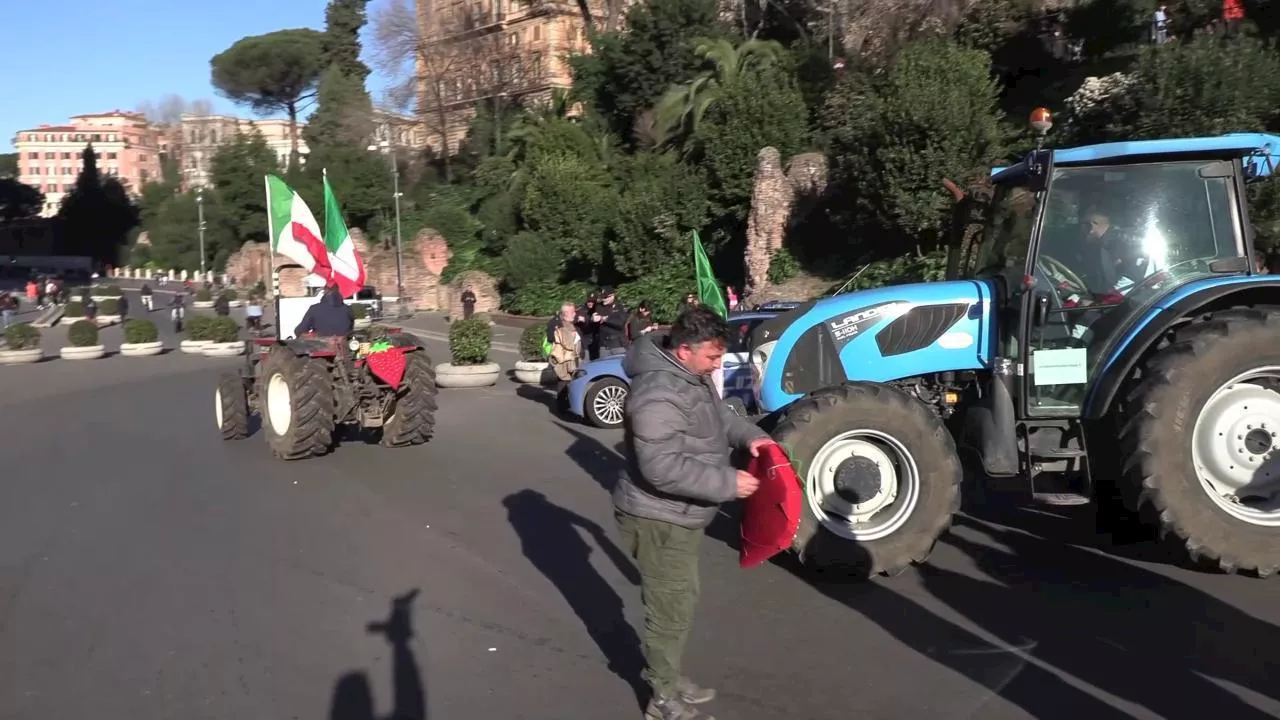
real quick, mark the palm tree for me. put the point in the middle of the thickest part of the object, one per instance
(681, 108)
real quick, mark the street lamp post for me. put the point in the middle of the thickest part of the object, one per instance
(385, 148)
(200, 218)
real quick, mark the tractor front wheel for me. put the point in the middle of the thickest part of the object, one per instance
(1203, 441)
(413, 419)
(297, 405)
(231, 407)
(880, 477)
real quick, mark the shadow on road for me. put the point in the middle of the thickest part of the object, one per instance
(352, 694)
(550, 539)
(603, 463)
(1060, 610)
(540, 395)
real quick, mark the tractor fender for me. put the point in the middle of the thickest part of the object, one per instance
(1194, 298)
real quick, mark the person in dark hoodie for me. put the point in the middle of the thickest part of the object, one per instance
(331, 317)
(678, 435)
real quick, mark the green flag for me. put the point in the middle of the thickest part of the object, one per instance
(708, 289)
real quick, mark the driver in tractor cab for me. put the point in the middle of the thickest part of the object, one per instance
(329, 318)
(1108, 261)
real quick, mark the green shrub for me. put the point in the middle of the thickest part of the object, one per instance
(197, 327)
(204, 295)
(110, 306)
(782, 266)
(230, 295)
(140, 331)
(469, 341)
(108, 291)
(73, 309)
(223, 330)
(83, 333)
(359, 311)
(21, 337)
(531, 342)
(259, 289)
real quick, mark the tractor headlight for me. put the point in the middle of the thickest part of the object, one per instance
(353, 344)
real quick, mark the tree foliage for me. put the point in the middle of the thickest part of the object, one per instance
(895, 137)
(19, 201)
(98, 214)
(271, 73)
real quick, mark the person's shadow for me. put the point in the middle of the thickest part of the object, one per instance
(550, 539)
(352, 695)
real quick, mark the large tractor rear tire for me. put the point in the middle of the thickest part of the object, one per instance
(231, 407)
(880, 477)
(1202, 441)
(297, 405)
(414, 419)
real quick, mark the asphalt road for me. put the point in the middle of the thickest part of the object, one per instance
(149, 570)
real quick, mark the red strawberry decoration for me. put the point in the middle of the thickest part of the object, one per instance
(387, 365)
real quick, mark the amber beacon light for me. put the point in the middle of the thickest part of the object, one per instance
(1041, 121)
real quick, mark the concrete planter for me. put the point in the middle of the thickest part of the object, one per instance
(89, 352)
(193, 347)
(235, 303)
(449, 375)
(534, 373)
(64, 320)
(141, 349)
(21, 357)
(202, 304)
(105, 320)
(227, 349)
(100, 298)
(363, 322)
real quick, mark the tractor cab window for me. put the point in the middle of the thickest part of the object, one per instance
(1113, 240)
(1010, 219)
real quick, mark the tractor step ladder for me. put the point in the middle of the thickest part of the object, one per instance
(1053, 488)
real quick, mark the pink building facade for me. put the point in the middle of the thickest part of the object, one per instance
(49, 156)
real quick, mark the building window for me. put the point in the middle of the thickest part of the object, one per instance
(66, 156)
(213, 137)
(34, 170)
(537, 33)
(50, 156)
(33, 156)
(535, 66)
(111, 156)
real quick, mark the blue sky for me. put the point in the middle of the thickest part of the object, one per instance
(87, 56)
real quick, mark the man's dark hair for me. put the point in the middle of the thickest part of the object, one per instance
(698, 325)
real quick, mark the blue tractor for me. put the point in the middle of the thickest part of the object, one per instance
(1112, 335)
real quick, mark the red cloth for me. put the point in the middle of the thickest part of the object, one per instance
(1232, 10)
(388, 365)
(770, 517)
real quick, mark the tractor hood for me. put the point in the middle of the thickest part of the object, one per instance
(878, 335)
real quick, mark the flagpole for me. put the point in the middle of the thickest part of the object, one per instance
(274, 288)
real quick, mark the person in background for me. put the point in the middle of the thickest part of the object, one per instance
(178, 310)
(147, 299)
(690, 301)
(1160, 26)
(1260, 262)
(33, 294)
(1232, 16)
(566, 344)
(222, 306)
(468, 304)
(610, 320)
(253, 313)
(123, 305)
(732, 298)
(331, 317)
(678, 436)
(8, 306)
(640, 323)
(587, 329)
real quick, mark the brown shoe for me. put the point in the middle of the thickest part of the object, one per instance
(673, 708)
(693, 693)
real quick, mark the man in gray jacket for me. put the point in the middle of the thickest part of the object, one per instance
(678, 437)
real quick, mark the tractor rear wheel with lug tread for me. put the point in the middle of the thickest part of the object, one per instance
(879, 474)
(1202, 441)
(297, 405)
(231, 407)
(413, 419)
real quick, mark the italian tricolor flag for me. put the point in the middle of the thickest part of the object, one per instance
(296, 235)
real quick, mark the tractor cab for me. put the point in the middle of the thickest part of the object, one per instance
(1083, 244)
